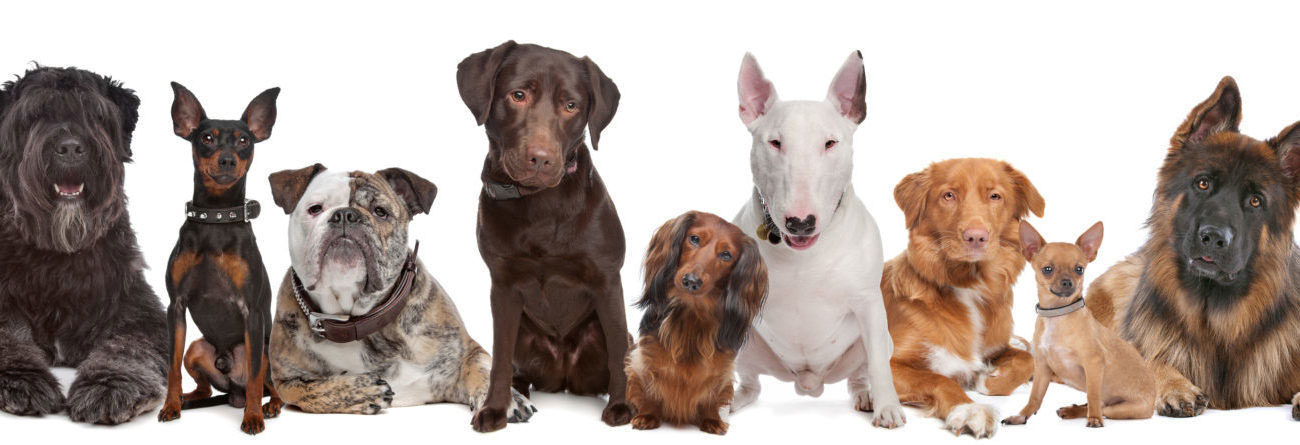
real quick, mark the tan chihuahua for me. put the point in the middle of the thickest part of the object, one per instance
(1073, 348)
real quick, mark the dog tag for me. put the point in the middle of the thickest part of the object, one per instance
(765, 232)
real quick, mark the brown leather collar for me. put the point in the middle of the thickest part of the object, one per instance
(344, 328)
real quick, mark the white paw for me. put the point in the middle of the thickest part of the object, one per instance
(1019, 343)
(862, 401)
(888, 416)
(744, 396)
(521, 409)
(973, 419)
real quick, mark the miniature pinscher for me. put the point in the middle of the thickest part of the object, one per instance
(1071, 347)
(216, 269)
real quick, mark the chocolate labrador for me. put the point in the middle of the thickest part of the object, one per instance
(547, 228)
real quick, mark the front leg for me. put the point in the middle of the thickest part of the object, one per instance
(647, 410)
(506, 313)
(475, 373)
(1177, 396)
(255, 344)
(887, 412)
(613, 320)
(124, 373)
(1093, 370)
(303, 379)
(27, 388)
(171, 409)
(1011, 368)
(1042, 378)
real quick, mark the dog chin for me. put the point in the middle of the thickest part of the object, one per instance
(801, 242)
(1208, 268)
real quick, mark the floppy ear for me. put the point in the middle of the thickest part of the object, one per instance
(603, 103)
(1218, 113)
(260, 114)
(848, 91)
(287, 186)
(476, 77)
(187, 112)
(746, 291)
(129, 105)
(416, 192)
(661, 262)
(1030, 241)
(1027, 197)
(1090, 241)
(757, 95)
(910, 194)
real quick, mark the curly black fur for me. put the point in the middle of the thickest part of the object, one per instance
(72, 291)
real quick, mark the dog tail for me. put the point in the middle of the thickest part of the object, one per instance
(222, 399)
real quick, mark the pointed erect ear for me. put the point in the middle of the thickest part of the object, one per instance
(848, 91)
(910, 194)
(1027, 197)
(416, 192)
(186, 111)
(260, 114)
(1220, 112)
(1284, 145)
(602, 103)
(476, 76)
(287, 186)
(1030, 241)
(1090, 241)
(757, 95)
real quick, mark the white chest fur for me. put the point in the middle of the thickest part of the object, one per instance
(947, 363)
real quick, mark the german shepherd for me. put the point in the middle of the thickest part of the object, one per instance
(1212, 299)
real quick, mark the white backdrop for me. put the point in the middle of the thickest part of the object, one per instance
(1083, 99)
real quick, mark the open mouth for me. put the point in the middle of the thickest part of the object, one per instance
(801, 242)
(69, 190)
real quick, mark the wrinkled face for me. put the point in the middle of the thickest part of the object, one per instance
(966, 206)
(64, 139)
(347, 237)
(1059, 269)
(223, 151)
(709, 252)
(802, 160)
(1229, 192)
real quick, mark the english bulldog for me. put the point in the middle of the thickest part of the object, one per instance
(360, 325)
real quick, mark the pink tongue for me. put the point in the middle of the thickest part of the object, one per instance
(69, 188)
(1207, 259)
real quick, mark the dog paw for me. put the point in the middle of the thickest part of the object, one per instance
(746, 395)
(252, 424)
(1183, 401)
(1015, 420)
(713, 426)
(889, 417)
(1094, 422)
(30, 392)
(521, 409)
(1295, 406)
(645, 422)
(1072, 411)
(169, 412)
(617, 413)
(374, 397)
(487, 420)
(862, 401)
(272, 408)
(975, 420)
(111, 398)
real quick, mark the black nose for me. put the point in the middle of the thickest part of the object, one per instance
(800, 227)
(226, 161)
(691, 282)
(1067, 284)
(70, 151)
(1214, 237)
(345, 217)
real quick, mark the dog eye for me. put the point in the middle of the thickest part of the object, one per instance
(775, 144)
(996, 196)
(571, 106)
(695, 240)
(725, 255)
(243, 140)
(207, 139)
(517, 95)
(949, 196)
(1255, 201)
(1203, 184)
(830, 144)
(381, 212)
(1078, 270)
(1047, 270)
(315, 210)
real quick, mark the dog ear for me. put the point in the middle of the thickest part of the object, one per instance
(848, 91)
(260, 114)
(1284, 145)
(1090, 241)
(661, 262)
(746, 291)
(128, 104)
(1218, 113)
(287, 186)
(603, 102)
(1027, 197)
(911, 195)
(757, 95)
(1030, 241)
(187, 112)
(417, 192)
(476, 77)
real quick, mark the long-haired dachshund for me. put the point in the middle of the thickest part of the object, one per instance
(704, 284)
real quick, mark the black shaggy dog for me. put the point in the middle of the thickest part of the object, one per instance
(72, 291)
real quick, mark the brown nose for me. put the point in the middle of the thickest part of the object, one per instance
(540, 158)
(975, 238)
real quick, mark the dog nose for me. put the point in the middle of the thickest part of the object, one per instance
(801, 227)
(345, 217)
(691, 282)
(70, 151)
(1214, 237)
(1067, 284)
(539, 157)
(975, 238)
(226, 161)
